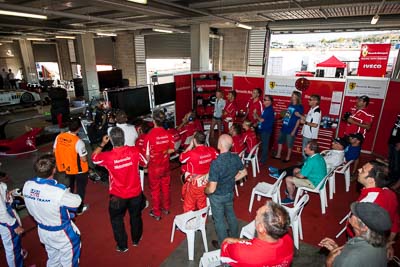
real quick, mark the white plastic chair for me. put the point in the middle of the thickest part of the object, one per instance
(332, 182)
(253, 158)
(207, 133)
(264, 189)
(141, 175)
(320, 189)
(189, 223)
(295, 219)
(248, 231)
(209, 205)
(241, 156)
(211, 259)
(345, 170)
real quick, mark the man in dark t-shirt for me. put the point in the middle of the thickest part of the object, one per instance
(224, 171)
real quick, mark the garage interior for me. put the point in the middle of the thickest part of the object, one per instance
(216, 35)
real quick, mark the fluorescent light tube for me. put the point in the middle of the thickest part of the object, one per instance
(143, 2)
(22, 14)
(65, 37)
(35, 39)
(244, 26)
(161, 30)
(106, 34)
(375, 19)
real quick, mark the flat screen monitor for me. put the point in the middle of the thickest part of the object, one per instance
(164, 93)
(134, 101)
(110, 78)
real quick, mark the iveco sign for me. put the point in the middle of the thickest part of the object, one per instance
(372, 66)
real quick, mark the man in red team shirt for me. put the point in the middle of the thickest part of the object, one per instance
(360, 120)
(249, 136)
(143, 130)
(122, 163)
(254, 104)
(230, 111)
(236, 132)
(188, 127)
(197, 159)
(373, 176)
(272, 245)
(158, 145)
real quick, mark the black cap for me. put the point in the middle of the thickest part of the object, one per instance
(372, 215)
(364, 98)
(358, 136)
(341, 141)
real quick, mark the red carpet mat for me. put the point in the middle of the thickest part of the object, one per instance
(98, 245)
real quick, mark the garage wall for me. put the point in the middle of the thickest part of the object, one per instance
(167, 45)
(10, 57)
(234, 55)
(104, 49)
(45, 52)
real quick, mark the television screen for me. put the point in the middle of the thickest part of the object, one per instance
(134, 101)
(164, 93)
(110, 78)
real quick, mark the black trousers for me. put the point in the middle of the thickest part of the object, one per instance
(81, 181)
(117, 209)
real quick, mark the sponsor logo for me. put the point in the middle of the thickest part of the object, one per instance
(372, 66)
(364, 51)
(272, 85)
(352, 86)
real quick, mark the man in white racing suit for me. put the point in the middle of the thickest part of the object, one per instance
(50, 205)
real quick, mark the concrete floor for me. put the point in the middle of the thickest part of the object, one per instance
(19, 169)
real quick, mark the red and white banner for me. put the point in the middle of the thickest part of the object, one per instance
(373, 60)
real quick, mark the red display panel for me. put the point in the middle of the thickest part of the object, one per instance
(244, 86)
(389, 114)
(373, 60)
(326, 88)
(183, 103)
(375, 89)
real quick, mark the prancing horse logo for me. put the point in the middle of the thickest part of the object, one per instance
(352, 86)
(272, 85)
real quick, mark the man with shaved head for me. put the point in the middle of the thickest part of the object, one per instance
(224, 172)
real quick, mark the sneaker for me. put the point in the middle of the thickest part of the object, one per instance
(157, 218)
(287, 201)
(166, 212)
(24, 253)
(135, 244)
(273, 169)
(94, 177)
(274, 175)
(123, 250)
(83, 210)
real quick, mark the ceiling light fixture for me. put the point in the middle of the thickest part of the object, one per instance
(36, 39)
(106, 34)
(244, 26)
(375, 19)
(161, 30)
(143, 2)
(65, 37)
(22, 14)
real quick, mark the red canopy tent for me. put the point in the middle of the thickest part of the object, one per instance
(332, 62)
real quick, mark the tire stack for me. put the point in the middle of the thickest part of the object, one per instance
(59, 104)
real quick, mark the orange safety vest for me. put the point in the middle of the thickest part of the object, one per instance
(67, 159)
